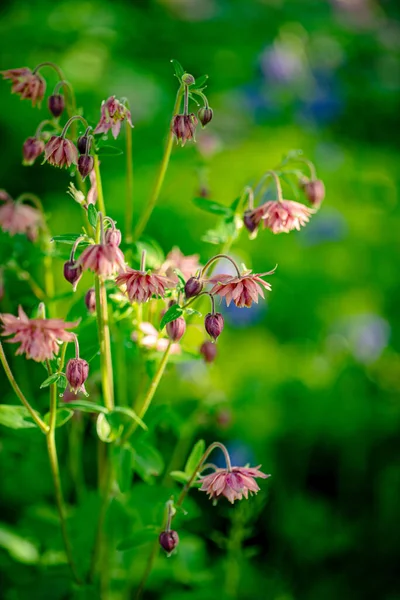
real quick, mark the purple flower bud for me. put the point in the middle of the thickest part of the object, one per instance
(77, 372)
(56, 104)
(113, 237)
(169, 540)
(85, 165)
(72, 273)
(176, 329)
(82, 144)
(193, 287)
(31, 150)
(251, 219)
(205, 115)
(314, 191)
(209, 351)
(90, 300)
(184, 127)
(214, 324)
(188, 79)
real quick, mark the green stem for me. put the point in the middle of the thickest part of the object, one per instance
(100, 196)
(161, 174)
(105, 343)
(129, 185)
(218, 257)
(39, 422)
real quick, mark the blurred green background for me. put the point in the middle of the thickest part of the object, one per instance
(306, 384)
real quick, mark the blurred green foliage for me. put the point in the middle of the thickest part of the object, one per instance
(310, 386)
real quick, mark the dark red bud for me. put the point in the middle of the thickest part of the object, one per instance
(188, 79)
(72, 273)
(90, 300)
(314, 191)
(85, 165)
(251, 220)
(113, 237)
(205, 115)
(77, 372)
(214, 324)
(176, 329)
(169, 540)
(31, 150)
(209, 351)
(193, 287)
(56, 104)
(83, 144)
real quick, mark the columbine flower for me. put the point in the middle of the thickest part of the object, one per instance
(113, 112)
(176, 329)
(169, 540)
(285, 215)
(187, 265)
(103, 259)
(16, 217)
(209, 351)
(232, 484)
(314, 189)
(77, 372)
(242, 290)
(150, 338)
(141, 285)
(29, 85)
(39, 338)
(60, 152)
(33, 147)
(214, 324)
(184, 127)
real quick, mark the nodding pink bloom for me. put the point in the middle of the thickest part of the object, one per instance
(242, 290)
(234, 484)
(60, 152)
(314, 190)
(286, 215)
(76, 372)
(141, 285)
(31, 150)
(184, 127)
(29, 85)
(102, 259)
(16, 217)
(187, 265)
(113, 112)
(39, 338)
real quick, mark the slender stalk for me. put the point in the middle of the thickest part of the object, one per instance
(100, 196)
(217, 257)
(49, 64)
(39, 422)
(105, 343)
(98, 545)
(161, 174)
(129, 185)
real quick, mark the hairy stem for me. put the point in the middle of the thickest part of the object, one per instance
(129, 185)
(105, 343)
(100, 196)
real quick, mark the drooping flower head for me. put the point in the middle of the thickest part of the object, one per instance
(142, 285)
(16, 217)
(33, 147)
(60, 152)
(314, 190)
(102, 259)
(76, 372)
(242, 290)
(184, 127)
(113, 112)
(26, 83)
(282, 216)
(234, 483)
(39, 338)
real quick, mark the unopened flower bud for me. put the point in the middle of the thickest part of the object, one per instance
(31, 150)
(77, 372)
(193, 287)
(90, 300)
(205, 115)
(176, 329)
(85, 165)
(184, 127)
(209, 351)
(72, 273)
(314, 191)
(188, 79)
(251, 220)
(214, 324)
(169, 540)
(56, 104)
(113, 237)
(82, 144)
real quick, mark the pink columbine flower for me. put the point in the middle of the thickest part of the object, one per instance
(175, 259)
(39, 338)
(233, 484)
(141, 285)
(113, 112)
(285, 215)
(102, 259)
(16, 217)
(242, 290)
(29, 85)
(60, 152)
(33, 147)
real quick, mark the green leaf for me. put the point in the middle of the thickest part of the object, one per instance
(50, 380)
(179, 70)
(213, 207)
(92, 215)
(18, 547)
(221, 234)
(63, 415)
(122, 457)
(140, 537)
(200, 82)
(195, 457)
(235, 204)
(109, 151)
(193, 311)
(66, 238)
(180, 476)
(86, 406)
(15, 417)
(107, 428)
(131, 414)
(62, 382)
(148, 461)
(172, 313)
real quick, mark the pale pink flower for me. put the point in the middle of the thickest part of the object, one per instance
(113, 112)
(16, 217)
(285, 215)
(141, 285)
(60, 152)
(233, 484)
(187, 265)
(150, 339)
(39, 338)
(102, 259)
(242, 290)
(29, 85)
